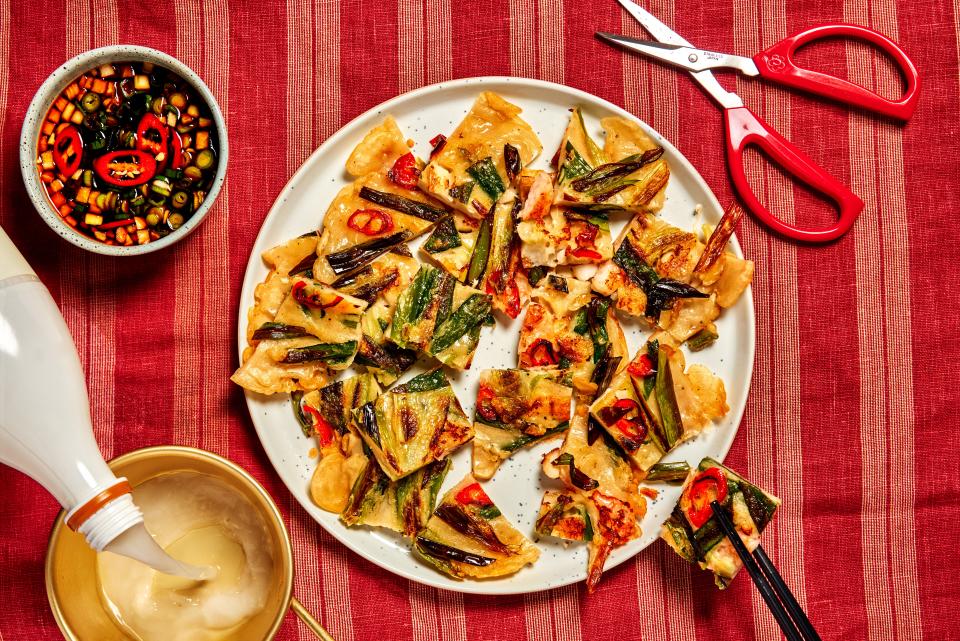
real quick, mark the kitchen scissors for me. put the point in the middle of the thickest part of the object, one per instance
(743, 127)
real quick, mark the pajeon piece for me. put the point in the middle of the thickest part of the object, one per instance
(292, 258)
(380, 284)
(326, 415)
(452, 242)
(656, 402)
(484, 254)
(503, 277)
(628, 174)
(413, 424)
(554, 235)
(438, 316)
(568, 327)
(380, 209)
(692, 529)
(331, 316)
(468, 536)
(599, 481)
(403, 506)
(516, 408)
(481, 158)
(565, 515)
(657, 272)
(316, 329)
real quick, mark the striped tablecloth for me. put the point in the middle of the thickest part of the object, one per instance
(852, 417)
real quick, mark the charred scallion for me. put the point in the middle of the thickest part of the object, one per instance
(668, 472)
(353, 258)
(401, 204)
(441, 551)
(278, 331)
(577, 478)
(326, 352)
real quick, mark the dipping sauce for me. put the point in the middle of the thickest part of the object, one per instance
(127, 153)
(200, 520)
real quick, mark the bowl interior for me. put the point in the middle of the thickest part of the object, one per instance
(71, 565)
(44, 98)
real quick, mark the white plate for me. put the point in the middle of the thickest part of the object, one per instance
(517, 487)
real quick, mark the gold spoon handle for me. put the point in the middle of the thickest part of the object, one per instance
(307, 618)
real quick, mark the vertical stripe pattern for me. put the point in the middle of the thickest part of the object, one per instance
(313, 113)
(774, 412)
(886, 396)
(87, 289)
(536, 48)
(864, 324)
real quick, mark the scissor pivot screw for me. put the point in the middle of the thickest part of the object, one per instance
(692, 57)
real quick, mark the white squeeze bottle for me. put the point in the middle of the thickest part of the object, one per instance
(45, 428)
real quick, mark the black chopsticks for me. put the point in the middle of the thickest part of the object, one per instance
(795, 624)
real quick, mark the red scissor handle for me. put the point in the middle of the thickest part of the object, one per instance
(777, 64)
(746, 128)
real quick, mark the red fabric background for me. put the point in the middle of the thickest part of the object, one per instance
(852, 417)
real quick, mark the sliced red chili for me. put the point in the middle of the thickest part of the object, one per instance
(176, 151)
(322, 428)
(627, 405)
(707, 486)
(312, 299)
(126, 167)
(117, 223)
(586, 252)
(641, 367)
(632, 428)
(405, 171)
(588, 236)
(68, 150)
(485, 404)
(152, 134)
(371, 222)
(541, 353)
(497, 284)
(438, 142)
(473, 494)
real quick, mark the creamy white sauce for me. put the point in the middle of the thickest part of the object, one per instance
(200, 520)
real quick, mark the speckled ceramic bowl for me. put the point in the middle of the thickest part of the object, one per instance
(45, 96)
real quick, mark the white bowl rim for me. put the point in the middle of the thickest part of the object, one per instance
(46, 94)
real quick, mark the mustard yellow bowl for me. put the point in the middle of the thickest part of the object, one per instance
(71, 567)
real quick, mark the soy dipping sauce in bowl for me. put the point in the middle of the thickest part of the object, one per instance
(129, 151)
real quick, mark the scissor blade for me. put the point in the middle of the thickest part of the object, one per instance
(652, 24)
(689, 58)
(666, 35)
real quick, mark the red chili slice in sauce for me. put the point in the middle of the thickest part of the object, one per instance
(541, 353)
(641, 367)
(68, 150)
(405, 171)
(176, 151)
(152, 134)
(126, 167)
(473, 494)
(371, 222)
(312, 299)
(323, 429)
(709, 485)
